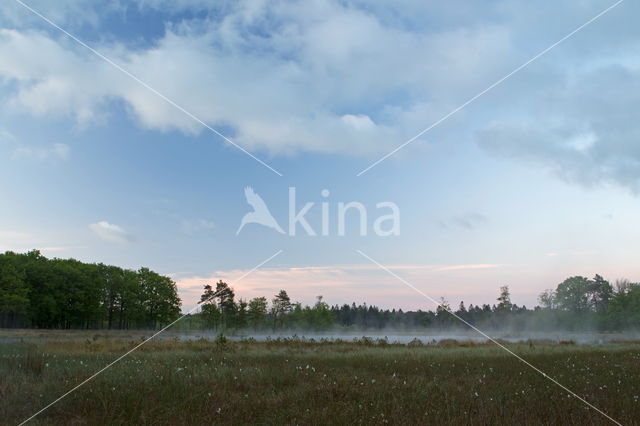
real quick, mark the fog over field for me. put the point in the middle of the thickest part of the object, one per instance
(390, 336)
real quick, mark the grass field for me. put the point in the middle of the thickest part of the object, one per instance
(300, 382)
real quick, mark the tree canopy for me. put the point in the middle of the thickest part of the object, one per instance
(66, 293)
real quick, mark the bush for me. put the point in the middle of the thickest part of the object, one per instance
(415, 343)
(222, 342)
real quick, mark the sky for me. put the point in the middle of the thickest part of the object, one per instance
(138, 152)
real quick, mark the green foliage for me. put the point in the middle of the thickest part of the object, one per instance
(281, 306)
(257, 312)
(581, 303)
(218, 306)
(624, 308)
(504, 300)
(14, 293)
(221, 342)
(65, 293)
(572, 294)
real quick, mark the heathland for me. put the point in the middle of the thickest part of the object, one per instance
(299, 381)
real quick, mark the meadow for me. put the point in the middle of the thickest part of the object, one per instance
(299, 381)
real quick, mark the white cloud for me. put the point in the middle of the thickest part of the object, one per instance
(110, 232)
(58, 151)
(359, 121)
(350, 77)
(194, 226)
(286, 77)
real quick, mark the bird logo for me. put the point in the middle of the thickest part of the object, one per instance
(260, 214)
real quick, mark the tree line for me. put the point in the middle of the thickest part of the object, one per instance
(578, 303)
(69, 294)
(66, 293)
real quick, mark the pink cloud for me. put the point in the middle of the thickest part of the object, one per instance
(473, 266)
(354, 283)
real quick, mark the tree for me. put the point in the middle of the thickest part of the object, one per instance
(210, 312)
(160, 301)
(462, 311)
(226, 304)
(257, 312)
(321, 317)
(504, 300)
(624, 306)
(281, 306)
(130, 303)
(573, 294)
(14, 295)
(443, 313)
(66, 293)
(222, 298)
(241, 314)
(547, 299)
(113, 287)
(600, 293)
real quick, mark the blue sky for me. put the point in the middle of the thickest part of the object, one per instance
(535, 181)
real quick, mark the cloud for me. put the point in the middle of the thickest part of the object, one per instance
(467, 221)
(582, 129)
(194, 226)
(110, 232)
(359, 121)
(352, 77)
(285, 77)
(58, 151)
(472, 266)
(350, 282)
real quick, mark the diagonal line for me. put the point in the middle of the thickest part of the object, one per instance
(137, 346)
(524, 65)
(545, 375)
(147, 86)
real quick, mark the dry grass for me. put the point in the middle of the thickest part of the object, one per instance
(293, 381)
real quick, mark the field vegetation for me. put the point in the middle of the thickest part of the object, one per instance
(299, 381)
